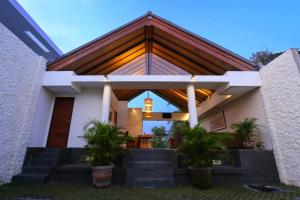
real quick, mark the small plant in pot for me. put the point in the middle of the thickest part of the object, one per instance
(103, 145)
(246, 129)
(201, 149)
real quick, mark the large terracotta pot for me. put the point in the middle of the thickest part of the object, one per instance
(102, 176)
(200, 177)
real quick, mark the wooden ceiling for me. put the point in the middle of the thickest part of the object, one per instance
(154, 35)
(176, 97)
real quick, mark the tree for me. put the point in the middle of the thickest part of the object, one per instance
(159, 131)
(178, 127)
(263, 57)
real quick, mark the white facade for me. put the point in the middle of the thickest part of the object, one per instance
(27, 96)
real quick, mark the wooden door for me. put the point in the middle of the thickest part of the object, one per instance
(60, 122)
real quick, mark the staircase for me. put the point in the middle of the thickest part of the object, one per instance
(37, 166)
(150, 168)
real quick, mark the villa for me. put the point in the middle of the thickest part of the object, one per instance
(46, 97)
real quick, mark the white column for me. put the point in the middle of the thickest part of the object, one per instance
(192, 105)
(106, 103)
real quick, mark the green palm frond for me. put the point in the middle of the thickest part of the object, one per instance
(103, 142)
(201, 147)
(246, 128)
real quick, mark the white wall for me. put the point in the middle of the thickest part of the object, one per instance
(42, 119)
(248, 105)
(281, 97)
(87, 105)
(122, 114)
(135, 121)
(21, 74)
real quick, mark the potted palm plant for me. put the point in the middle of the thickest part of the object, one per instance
(103, 145)
(246, 129)
(201, 149)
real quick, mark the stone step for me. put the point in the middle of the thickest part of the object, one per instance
(148, 173)
(43, 155)
(73, 176)
(36, 169)
(48, 149)
(149, 164)
(150, 157)
(40, 162)
(31, 178)
(146, 152)
(150, 182)
(73, 173)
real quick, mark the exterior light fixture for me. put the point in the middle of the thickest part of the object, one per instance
(148, 104)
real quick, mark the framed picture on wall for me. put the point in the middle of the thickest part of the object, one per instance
(217, 122)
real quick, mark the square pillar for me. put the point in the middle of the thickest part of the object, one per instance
(106, 103)
(193, 119)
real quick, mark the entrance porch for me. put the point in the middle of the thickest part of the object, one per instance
(106, 97)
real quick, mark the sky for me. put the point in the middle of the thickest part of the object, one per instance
(243, 27)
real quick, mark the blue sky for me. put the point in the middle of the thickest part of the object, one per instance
(243, 27)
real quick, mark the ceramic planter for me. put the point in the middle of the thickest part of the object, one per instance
(102, 176)
(200, 177)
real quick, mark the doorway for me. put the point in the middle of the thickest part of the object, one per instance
(60, 122)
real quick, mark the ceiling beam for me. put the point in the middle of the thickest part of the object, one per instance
(108, 55)
(148, 46)
(188, 62)
(93, 47)
(117, 61)
(188, 54)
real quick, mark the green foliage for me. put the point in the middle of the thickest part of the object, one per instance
(201, 147)
(103, 143)
(260, 146)
(263, 57)
(178, 127)
(159, 143)
(159, 131)
(246, 128)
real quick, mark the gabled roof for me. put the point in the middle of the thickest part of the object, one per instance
(150, 34)
(153, 39)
